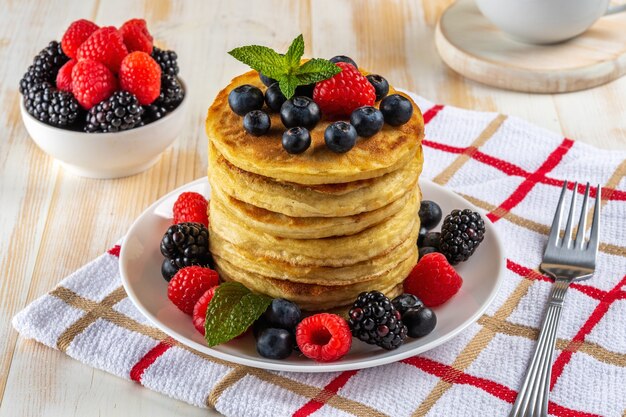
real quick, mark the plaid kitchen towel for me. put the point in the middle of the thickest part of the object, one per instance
(508, 167)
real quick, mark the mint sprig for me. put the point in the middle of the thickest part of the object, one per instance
(231, 311)
(286, 69)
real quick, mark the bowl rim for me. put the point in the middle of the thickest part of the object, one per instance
(32, 119)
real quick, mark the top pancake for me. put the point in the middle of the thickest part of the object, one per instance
(388, 150)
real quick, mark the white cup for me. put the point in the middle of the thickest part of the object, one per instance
(545, 21)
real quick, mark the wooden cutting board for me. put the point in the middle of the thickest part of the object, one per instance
(475, 48)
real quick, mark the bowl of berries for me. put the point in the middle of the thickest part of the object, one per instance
(104, 102)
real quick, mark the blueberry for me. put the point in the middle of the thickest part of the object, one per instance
(305, 90)
(266, 80)
(274, 98)
(300, 111)
(419, 321)
(283, 314)
(425, 250)
(257, 122)
(381, 86)
(275, 343)
(367, 121)
(396, 109)
(431, 239)
(421, 236)
(168, 269)
(430, 214)
(340, 137)
(405, 301)
(245, 98)
(343, 58)
(296, 140)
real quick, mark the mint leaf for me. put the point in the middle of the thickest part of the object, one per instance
(295, 52)
(288, 84)
(260, 58)
(315, 70)
(231, 311)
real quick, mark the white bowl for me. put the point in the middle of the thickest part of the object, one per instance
(107, 155)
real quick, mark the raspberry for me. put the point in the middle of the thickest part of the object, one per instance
(433, 280)
(141, 75)
(324, 337)
(136, 36)
(189, 284)
(64, 76)
(344, 92)
(78, 32)
(200, 308)
(105, 45)
(191, 207)
(92, 82)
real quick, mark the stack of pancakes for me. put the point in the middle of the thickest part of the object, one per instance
(316, 228)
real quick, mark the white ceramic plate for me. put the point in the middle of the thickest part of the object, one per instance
(140, 263)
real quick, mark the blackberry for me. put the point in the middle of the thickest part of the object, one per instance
(461, 233)
(119, 112)
(45, 67)
(56, 108)
(374, 320)
(167, 60)
(172, 92)
(37, 100)
(153, 112)
(184, 244)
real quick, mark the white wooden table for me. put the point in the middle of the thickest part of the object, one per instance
(52, 222)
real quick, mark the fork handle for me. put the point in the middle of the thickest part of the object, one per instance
(532, 400)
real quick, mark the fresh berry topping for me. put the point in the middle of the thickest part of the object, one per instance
(324, 337)
(154, 112)
(245, 98)
(184, 244)
(421, 235)
(56, 108)
(136, 36)
(191, 207)
(172, 93)
(430, 214)
(119, 112)
(341, 94)
(461, 233)
(381, 86)
(300, 111)
(343, 58)
(374, 320)
(340, 137)
(64, 76)
(189, 284)
(274, 98)
(396, 109)
(45, 66)
(431, 239)
(283, 314)
(425, 250)
(256, 122)
(141, 75)
(267, 81)
(199, 309)
(367, 121)
(167, 60)
(77, 33)
(296, 140)
(92, 82)
(105, 45)
(433, 280)
(419, 321)
(275, 343)
(405, 301)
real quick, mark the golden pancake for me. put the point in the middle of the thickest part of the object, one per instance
(333, 200)
(331, 251)
(316, 297)
(387, 151)
(281, 225)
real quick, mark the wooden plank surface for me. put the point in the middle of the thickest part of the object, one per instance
(52, 222)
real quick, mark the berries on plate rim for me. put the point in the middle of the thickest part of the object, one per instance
(324, 337)
(433, 280)
(188, 285)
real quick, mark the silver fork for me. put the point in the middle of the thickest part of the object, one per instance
(565, 260)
